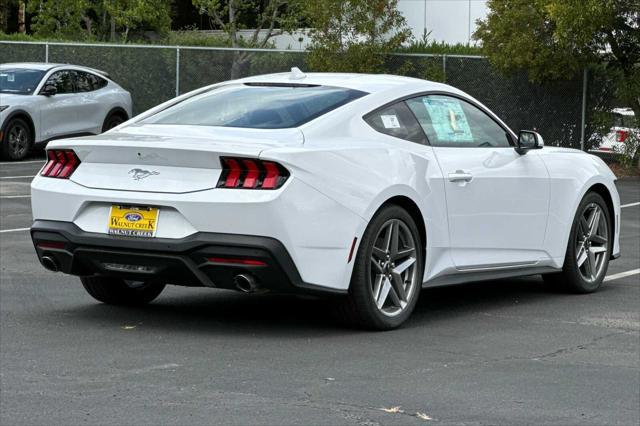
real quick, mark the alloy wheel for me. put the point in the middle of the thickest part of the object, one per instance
(18, 139)
(592, 242)
(393, 273)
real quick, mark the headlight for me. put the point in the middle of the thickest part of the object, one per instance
(3, 107)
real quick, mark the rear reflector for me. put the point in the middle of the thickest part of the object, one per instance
(237, 261)
(250, 173)
(621, 135)
(50, 245)
(60, 163)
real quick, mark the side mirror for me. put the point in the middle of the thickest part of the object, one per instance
(527, 140)
(49, 90)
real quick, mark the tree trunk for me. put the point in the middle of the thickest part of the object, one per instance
(21, 18)
(113, 30)
(239, 65)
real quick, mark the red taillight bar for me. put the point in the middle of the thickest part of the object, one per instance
(60, 163)
(237, 261)
(251, 173)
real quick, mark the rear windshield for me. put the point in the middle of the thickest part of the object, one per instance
(256, 106)
(620, 120)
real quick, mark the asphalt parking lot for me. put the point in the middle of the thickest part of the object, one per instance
(503, 352)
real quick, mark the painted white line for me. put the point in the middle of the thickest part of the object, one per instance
(3, 231)
(23, 162)
(15, 196)
(630, 205)
(622, 274)
(16, 177)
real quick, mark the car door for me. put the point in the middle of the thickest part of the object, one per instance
(59, 112)
(497, 200)
(92, 112)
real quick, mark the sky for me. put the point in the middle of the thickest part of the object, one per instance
(448, 20)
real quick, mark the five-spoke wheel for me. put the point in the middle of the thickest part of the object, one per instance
(393, 267)
(589, 249)
(592, 242)
(387, 273)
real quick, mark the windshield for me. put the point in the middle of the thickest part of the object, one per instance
(20, 81)
(256, 106)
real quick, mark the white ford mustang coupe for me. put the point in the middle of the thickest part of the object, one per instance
(365, 187)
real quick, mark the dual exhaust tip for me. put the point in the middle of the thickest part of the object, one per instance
(246, 283)
(50, 263)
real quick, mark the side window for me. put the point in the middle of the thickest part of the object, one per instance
(397, 120)
(84, 82)
(97, 82)
(452, 122)
(63, 80)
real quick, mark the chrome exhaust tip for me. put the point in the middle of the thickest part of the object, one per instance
(245, 283)
(49, 263)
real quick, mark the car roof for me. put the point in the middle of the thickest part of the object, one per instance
(42, 66)
(623, 111)
(370, 83)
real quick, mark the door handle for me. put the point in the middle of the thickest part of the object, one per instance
(460, 176)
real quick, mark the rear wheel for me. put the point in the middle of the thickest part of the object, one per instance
(589, 249)
(116, 291)
(17, 140)
(113, 120)
(387, 273)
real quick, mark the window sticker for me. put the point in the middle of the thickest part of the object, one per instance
(11, 77)
(448, 119)
(390, 122)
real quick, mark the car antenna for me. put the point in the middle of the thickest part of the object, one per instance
(296, 74)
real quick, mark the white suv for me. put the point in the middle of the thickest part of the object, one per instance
(40, 102)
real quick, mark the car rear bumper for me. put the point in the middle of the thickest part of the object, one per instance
(201, 259)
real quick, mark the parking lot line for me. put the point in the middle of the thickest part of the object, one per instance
(622, 274)
(15, 196)
(630, 205)
(16, 177)
(6, 231)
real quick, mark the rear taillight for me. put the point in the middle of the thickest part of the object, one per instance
(61, 163)
(250, 173)
(621, 135)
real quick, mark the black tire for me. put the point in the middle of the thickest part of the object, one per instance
(17, 140)
(359, 308)
(572, 278)
(116, 291)
(112, 120)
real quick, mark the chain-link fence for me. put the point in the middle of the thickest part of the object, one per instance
(564, 112)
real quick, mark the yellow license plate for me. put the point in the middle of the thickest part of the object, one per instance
(131, 221)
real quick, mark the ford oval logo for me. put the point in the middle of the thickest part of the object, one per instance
(133, 217)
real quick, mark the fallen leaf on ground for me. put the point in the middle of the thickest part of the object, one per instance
(128, 327)
(423, 416)
(392, 410)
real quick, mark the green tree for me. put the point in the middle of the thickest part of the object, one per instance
(266, 18)
(354, 35)
(100, 19)
(557, 39)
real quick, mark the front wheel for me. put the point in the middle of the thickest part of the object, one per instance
(116, 291)
(387, 274)
(589, 248)
(17, 140)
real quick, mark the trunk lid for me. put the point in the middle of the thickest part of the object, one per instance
(167, 158)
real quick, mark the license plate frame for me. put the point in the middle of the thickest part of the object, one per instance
(133, 221)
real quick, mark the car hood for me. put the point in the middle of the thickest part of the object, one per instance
(15, 100)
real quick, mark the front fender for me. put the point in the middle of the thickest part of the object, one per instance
(572, 175)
